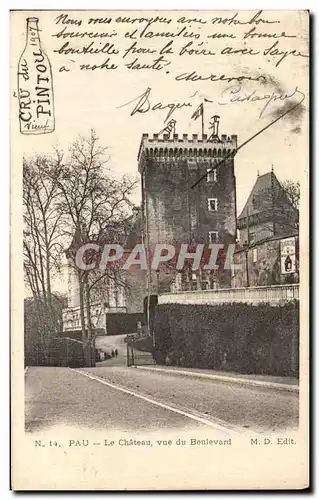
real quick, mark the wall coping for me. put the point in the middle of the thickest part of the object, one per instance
(218, 290)
(181, 145)
(274, 294)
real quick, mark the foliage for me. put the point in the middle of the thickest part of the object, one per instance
(37, 334)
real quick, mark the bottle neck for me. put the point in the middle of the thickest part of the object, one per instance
(33, 34)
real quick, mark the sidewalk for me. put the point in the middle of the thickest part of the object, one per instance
(268, 381)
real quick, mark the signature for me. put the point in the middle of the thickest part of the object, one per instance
(143, 105)
(231, 95)
(284, 112)
(234, 94)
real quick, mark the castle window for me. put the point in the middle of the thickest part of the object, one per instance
(211, 175)
(255, 202)
(178, 282)
(213, 236)
(252, 236)
(255, 254)
(212, 204)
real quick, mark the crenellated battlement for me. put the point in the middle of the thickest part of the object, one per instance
(186, 146)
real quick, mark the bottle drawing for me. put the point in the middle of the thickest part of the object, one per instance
(35, 90)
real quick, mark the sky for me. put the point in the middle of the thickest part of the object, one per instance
(97, 99)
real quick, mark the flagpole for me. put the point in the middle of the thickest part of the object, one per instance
(203, 120)
(197, 113)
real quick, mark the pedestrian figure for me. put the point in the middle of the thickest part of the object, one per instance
(116, 353)
(113, 353)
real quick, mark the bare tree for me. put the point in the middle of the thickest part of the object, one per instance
(72, 198)
(292, 191)
(95, 206)
(42, 232)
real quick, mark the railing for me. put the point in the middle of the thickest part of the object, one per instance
(272, 294)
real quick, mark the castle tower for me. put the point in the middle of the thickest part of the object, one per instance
(173, 210)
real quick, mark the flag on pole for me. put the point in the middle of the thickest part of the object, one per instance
(198, 112)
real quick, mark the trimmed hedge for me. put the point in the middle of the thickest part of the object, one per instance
(61, 351)
(237, 337)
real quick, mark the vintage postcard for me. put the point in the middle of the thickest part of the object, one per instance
(159, 249)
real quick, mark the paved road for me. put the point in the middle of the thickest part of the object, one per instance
(61, 396)
(108, 343)
(131, 399)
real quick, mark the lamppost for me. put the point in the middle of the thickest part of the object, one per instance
(157, 289)
(157, 280)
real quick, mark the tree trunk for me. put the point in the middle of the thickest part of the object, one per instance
(83, 329)
(89, 325)
(53, 326)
